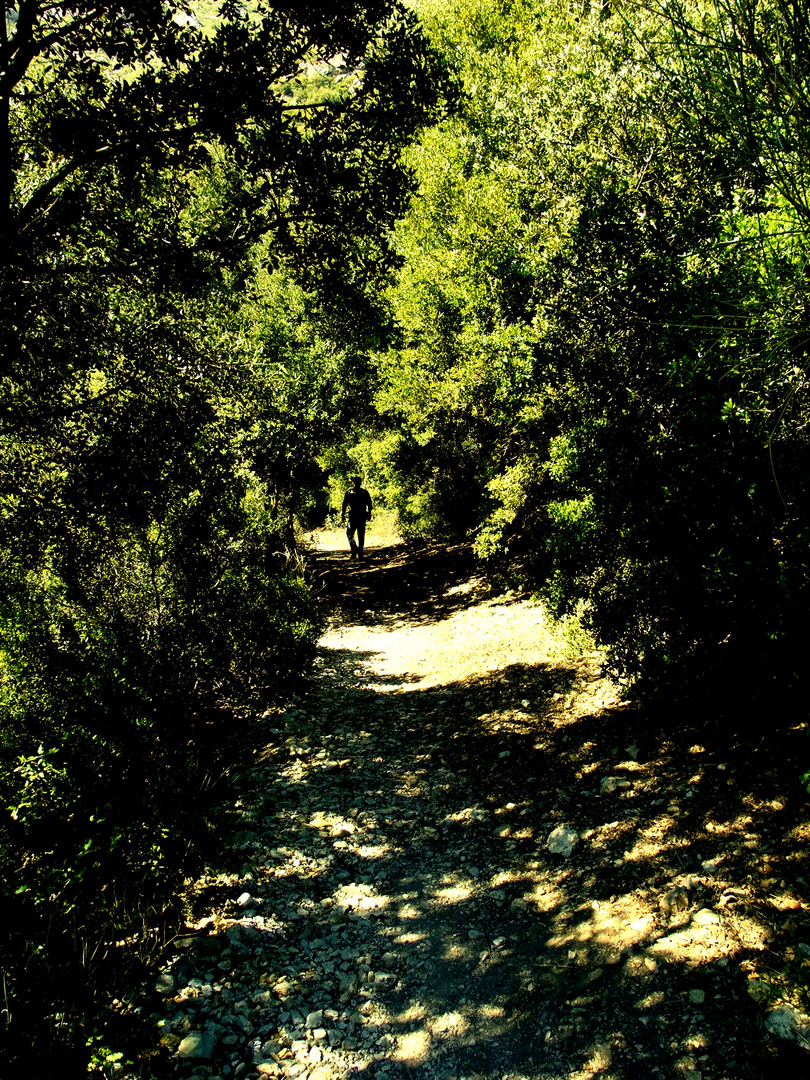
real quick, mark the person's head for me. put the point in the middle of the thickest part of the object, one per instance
(356, 481)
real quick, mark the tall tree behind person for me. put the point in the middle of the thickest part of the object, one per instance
(148, 173)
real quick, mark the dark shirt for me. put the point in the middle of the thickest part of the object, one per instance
(358, 502)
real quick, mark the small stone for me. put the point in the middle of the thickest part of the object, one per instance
(165, 983)
(610, 784)
(319, 1034)
(243, 900)
(316, 1055)
(697, 996)
(315, 1019)
(562, 840)
(464, 817)
(197, 1045)
(706, 917)
(788, 1023)
(350, 1043)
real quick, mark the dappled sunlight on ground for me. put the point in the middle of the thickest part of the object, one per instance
(470, 643)
(402, 812)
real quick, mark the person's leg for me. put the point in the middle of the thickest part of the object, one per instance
(361, 538)
(350, 536)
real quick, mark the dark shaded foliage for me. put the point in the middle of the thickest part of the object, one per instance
(161, 414)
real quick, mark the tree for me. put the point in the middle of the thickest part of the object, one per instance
(151, 422)
(593, 339)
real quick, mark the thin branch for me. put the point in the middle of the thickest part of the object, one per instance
(39, 199)
(312, 105)
(30, 49)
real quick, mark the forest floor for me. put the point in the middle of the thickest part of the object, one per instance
(394, 909)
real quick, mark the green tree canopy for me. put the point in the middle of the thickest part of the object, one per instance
(166, 386)
(602, 365)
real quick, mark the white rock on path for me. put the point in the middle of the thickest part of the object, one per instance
(562, 840)
(315, 1019)
(706, 917)
(199, 1044)
(790, 1024)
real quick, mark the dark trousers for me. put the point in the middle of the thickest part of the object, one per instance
(358, 526)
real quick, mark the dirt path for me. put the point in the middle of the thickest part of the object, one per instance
(398, 911)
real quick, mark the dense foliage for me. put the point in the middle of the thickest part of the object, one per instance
(240, 257)
(166, 388)
(603, 368)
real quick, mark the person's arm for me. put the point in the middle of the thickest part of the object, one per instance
(368, 507)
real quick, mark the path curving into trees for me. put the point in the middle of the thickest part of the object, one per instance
(393, 908)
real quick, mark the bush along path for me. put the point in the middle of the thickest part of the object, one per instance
(462, 855)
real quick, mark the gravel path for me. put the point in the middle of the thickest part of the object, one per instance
(397, 911)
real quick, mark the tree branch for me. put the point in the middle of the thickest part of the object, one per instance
(21, 55)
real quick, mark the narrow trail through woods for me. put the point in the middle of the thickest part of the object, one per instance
(396, 910)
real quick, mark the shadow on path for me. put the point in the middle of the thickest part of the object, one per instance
(412, 920)
(425, 581)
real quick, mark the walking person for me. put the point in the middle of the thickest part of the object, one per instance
(358, 502)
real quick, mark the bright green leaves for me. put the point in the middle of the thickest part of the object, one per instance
(595, 263)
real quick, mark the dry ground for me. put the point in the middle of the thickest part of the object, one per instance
(405, 803)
